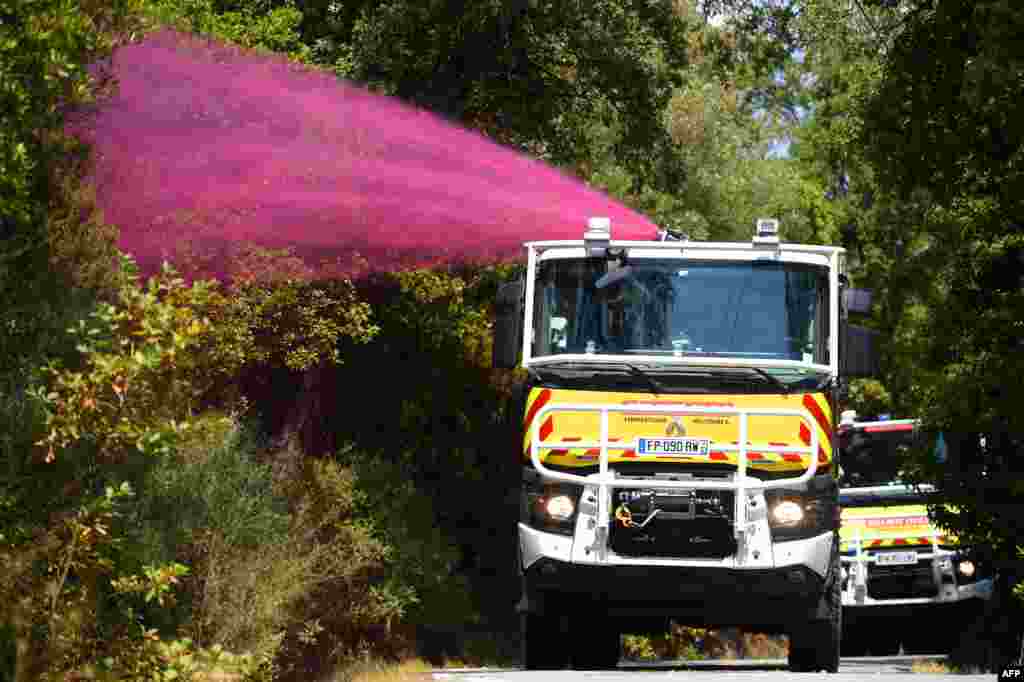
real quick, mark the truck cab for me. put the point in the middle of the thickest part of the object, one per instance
(677, 441)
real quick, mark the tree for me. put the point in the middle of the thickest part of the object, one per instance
(50, 237)
(534, 74)
(945, 127)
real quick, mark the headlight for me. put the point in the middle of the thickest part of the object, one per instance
(548, 505)
(803, 511)
(560, 507)
(787, 513)
(966, 568)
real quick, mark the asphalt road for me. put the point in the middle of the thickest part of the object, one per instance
(768, 670)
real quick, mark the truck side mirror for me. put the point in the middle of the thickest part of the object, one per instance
(858, 300)
(508, 325)
(858, 355)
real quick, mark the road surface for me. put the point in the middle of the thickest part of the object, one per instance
(766, 670)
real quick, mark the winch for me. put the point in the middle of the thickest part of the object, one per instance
(681, 523)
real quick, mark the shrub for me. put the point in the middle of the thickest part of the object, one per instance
(84, 557)
(212, 484)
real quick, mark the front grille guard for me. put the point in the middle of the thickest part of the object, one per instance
(857, 565)
(606, 479)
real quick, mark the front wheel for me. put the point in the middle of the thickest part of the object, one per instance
(885, 639)
(596, 643)
(542, 645)
(855, 640)
(815, 645)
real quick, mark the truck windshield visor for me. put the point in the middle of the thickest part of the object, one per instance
(751, 310)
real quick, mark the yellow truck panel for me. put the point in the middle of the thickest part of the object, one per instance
(627, 427)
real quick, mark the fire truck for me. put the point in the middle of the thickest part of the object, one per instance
(677, 447)
(904, 581)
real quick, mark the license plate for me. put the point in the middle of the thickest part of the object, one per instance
(673, 447)
(896, 558)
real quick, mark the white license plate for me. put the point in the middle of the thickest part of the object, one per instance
(673, 447)
(896, 558)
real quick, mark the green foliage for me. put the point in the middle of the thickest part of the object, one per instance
(126, 408)
(439, 431)
(947, 130)
(253, 25)
(368, 567)
(638, 647)
(49, 235)
(422, 580)
(548, 68)
(868, 397)
(212, 483)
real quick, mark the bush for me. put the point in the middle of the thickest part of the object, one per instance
(84, 556)
(212, 484)
(380, 565)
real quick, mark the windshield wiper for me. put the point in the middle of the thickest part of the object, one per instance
(771, 378)
(598, 367)
(637, 372)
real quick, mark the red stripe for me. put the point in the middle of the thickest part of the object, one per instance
(805, 436)
(546, 428)
(558, 452)
(571, 439)
(899, 541)
(815, 409)
(719, 456)
(889, 427)
(593, 451)
(755, 455)
(540, 402)
(791, 457)
(630, 454)
(876, 543)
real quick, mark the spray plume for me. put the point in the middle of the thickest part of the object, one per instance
(206, 149)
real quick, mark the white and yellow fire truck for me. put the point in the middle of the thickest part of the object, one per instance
(904, 581)
(677, 453)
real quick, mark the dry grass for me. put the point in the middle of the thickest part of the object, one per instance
(757, 645)
(406, 671)
(940, 667)
(944, 667)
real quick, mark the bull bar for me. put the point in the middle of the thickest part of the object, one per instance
(606, 480)
(857, 565)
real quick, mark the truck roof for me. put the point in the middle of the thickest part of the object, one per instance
(697, 246)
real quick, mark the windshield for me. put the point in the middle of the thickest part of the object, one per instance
(767, 310)
(873, 458)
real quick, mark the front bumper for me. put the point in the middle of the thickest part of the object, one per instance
(854, 598)
(781, 588)
(930, 581)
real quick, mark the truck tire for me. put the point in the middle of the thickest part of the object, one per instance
(814, 646)
(917, 639)
(855, 640)
(884, 640)
(596, 643)
(543, 647)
